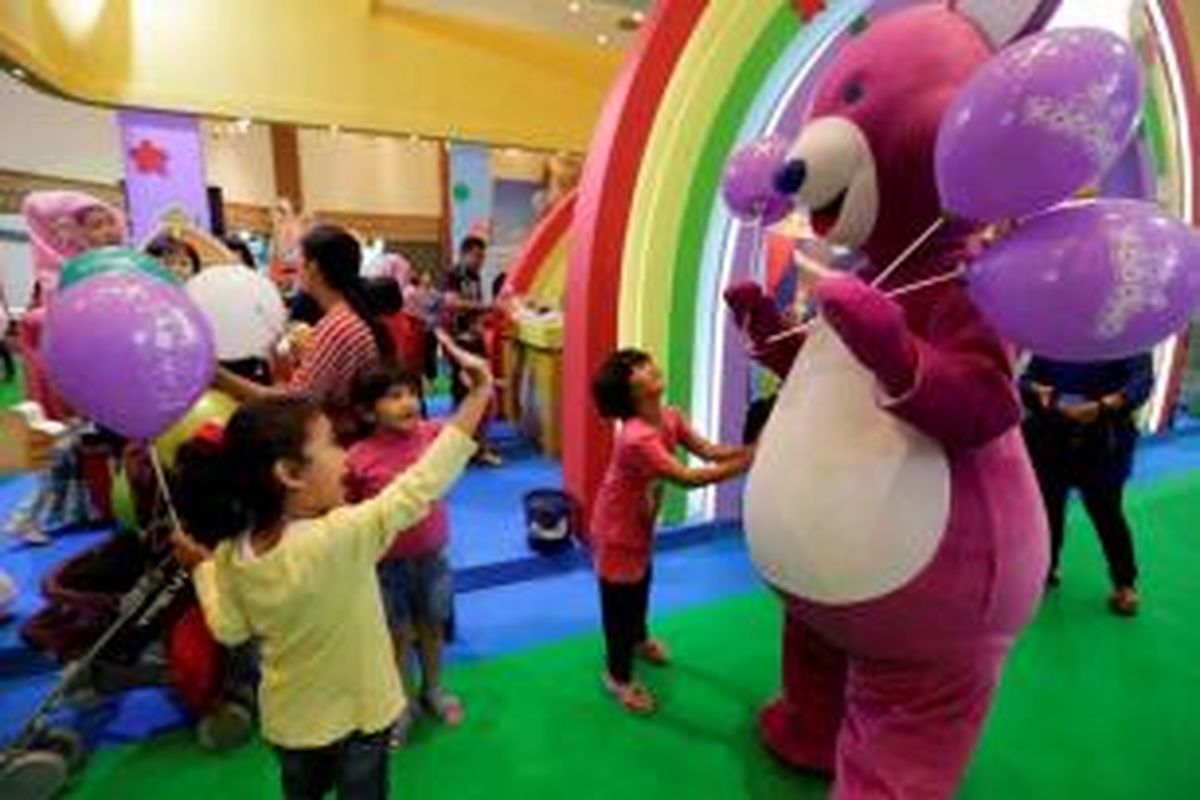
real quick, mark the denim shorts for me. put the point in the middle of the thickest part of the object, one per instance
(417, 590)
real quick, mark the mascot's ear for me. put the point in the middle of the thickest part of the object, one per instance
(1004, 21)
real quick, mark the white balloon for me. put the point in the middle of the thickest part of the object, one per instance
(244, 308)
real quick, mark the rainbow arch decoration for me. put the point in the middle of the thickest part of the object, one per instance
(652, 246)
(538, 271)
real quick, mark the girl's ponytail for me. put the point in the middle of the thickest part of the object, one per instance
(225, 485)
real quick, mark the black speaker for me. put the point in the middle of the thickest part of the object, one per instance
(216, 210)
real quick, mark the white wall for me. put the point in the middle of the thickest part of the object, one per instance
(353, 172)
(240, 163)
(1112, 15)
(46, 135)
(16, 261)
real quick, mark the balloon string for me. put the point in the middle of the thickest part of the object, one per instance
(756, 250)
(790, 333)
(760, 272)
(945, 277)
(805, 327)
(908, 252)
(161, 478)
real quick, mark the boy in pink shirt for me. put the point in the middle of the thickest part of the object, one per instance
(629, 387)
(415, 575)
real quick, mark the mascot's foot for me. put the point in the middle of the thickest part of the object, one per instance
(780, 731)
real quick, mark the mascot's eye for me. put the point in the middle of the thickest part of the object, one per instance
(853, 92)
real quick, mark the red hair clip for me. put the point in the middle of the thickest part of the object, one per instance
(211, 432)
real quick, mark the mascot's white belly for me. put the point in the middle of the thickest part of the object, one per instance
(845, 502)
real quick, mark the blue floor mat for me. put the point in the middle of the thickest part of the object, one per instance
(487, 519)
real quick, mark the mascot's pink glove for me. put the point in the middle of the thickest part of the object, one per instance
(954, 383)
(756, 316)
(872, 326)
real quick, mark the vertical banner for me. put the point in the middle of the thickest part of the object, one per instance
(164, 170)
(470, 193)
(513, 217)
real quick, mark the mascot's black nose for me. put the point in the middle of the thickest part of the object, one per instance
(790, 177)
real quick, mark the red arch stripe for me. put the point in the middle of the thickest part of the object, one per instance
(601, 215)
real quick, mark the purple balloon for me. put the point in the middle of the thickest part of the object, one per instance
(1045, 118)
(129, 351)
(1091, 281)
(749, 186)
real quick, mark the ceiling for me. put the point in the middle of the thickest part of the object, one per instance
(579, 20)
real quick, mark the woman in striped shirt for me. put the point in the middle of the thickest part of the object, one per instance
(346, 342)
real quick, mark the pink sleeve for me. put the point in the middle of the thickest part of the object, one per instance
(684, 433)
(956, 385)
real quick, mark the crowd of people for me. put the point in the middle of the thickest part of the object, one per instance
(315, 524)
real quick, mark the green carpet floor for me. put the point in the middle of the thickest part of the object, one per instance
(12, 392)
(1091, 707)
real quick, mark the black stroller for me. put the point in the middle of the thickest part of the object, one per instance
(115, 617)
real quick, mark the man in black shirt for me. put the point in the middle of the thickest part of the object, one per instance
(1081, 434)
(466, 310)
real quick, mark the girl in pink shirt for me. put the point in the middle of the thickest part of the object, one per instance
(414, 575)
(629, 387)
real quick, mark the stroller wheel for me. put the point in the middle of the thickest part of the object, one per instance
(33, 775)
(66, 743)
(229, 726)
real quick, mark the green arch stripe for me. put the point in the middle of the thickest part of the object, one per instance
(720, 44)
(705, 192)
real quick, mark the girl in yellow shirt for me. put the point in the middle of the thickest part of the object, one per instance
(293, 568)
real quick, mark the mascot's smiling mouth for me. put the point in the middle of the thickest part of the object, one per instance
(825, 218)
(839, 186)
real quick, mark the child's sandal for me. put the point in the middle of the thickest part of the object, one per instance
(445, 706)
(635, 697)
(654, 652)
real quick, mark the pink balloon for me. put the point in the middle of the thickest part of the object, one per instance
(1091, 281)
(129, 351)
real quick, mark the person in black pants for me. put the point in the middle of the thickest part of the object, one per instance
(7, 361)
(623, 610)
(467, 309)
(1081, 434)
(8, 328)
(356, 767)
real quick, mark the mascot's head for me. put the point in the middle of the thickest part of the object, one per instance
(864, 163)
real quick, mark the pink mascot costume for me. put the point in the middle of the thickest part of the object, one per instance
(892, 503)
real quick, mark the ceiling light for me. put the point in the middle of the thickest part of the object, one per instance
(602, 39)
(575, 6)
